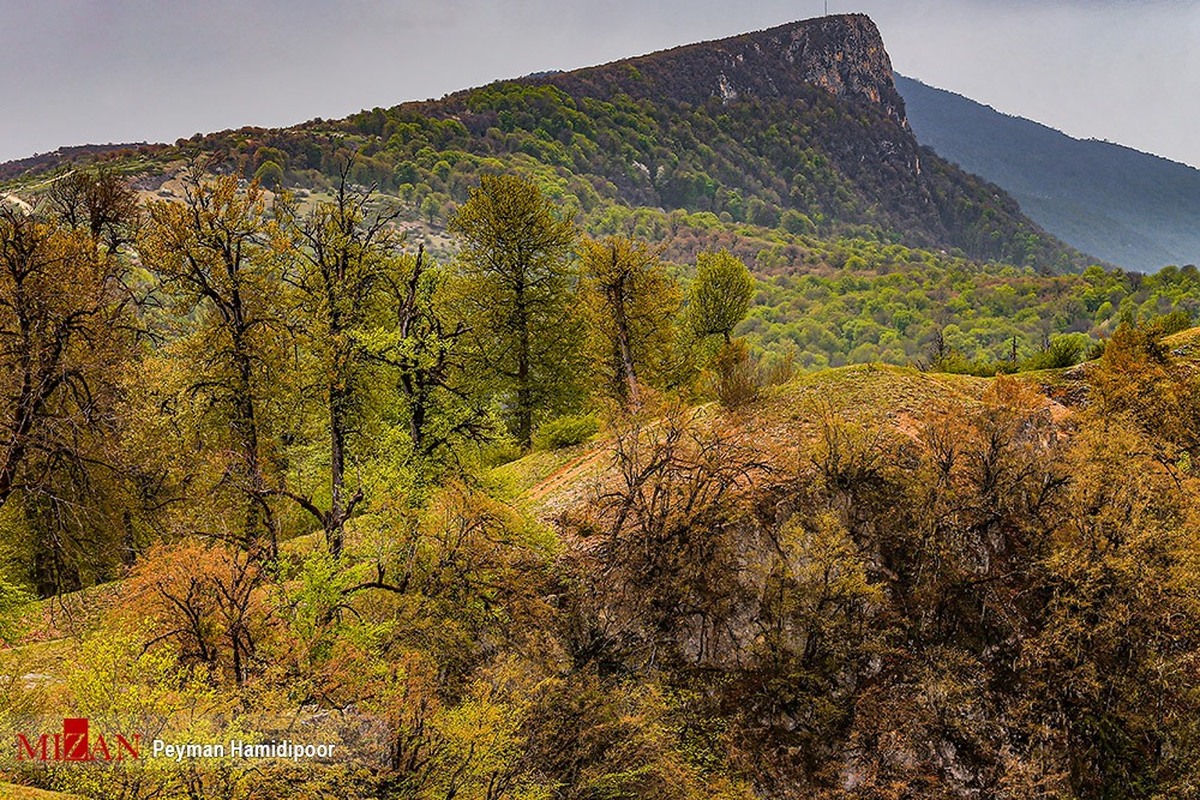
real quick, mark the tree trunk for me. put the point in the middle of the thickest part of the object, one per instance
(624, 349)
(257, 523)
(524, 376)
(336, 520)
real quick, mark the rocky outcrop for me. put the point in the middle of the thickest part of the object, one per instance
(841, 54)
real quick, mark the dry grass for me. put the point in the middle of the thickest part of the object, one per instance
(10, 791)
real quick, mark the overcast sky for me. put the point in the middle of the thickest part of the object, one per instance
(76, 71)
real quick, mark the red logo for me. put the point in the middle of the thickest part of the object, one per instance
(76, 744)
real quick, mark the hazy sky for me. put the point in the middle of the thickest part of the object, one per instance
(76, 71)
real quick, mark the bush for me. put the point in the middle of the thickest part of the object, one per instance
(566, 431)
(1064, 351)
(735, 375)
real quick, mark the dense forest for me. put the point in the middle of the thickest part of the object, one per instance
(544, 520)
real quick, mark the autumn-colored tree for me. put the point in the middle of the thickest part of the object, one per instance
(632, 302)
(60, 302)
(516, 295)
(1108, 674)
(1139, 379)
(207, 602)
(220, 259)
(64, 322)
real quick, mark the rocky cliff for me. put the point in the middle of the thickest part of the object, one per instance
(842, 54)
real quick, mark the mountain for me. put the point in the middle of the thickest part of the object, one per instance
(798, 128)
(1129, 208)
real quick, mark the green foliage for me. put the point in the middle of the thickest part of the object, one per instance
(270, 175)
(566, 431)
(514, 292)
(12, 599)
(807, 162)
(1064, 351)
(894, 309)
(719, 296)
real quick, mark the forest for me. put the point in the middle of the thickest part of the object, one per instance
(565, 516)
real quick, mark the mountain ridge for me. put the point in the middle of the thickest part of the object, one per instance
(797, 127)
(1125, 206)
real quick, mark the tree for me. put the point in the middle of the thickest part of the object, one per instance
(216, 255)
(342, 259)
(425, 347)
(720, 295)
(632, 302)
(64, 322)
(209, 601)
(61, 301)
(97, 201)
(516, 278)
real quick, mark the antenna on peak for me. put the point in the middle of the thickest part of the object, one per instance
(827, 8)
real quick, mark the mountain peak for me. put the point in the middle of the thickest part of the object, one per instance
(843, 54)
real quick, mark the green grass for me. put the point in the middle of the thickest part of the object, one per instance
(869, 391)
(516, 478)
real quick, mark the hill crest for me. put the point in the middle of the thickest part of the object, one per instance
(843, 54)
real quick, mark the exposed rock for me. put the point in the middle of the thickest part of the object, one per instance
(842, 54)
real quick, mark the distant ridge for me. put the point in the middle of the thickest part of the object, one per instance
(1135, 210)
(40, 161)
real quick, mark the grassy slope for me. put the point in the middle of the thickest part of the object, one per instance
(545, 484)
(1185, 344)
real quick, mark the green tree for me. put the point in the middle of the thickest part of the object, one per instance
(342, 259)
(632, 302)
(516, 295)
(423, 343)
(720, 295)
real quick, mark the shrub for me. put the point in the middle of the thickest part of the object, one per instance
(566, 431)
(735, 375)
(1064, 351)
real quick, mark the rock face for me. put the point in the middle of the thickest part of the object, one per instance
(842, 54)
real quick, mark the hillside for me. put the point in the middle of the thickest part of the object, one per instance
(799, 128)
(869, 583)
(1129, 208)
